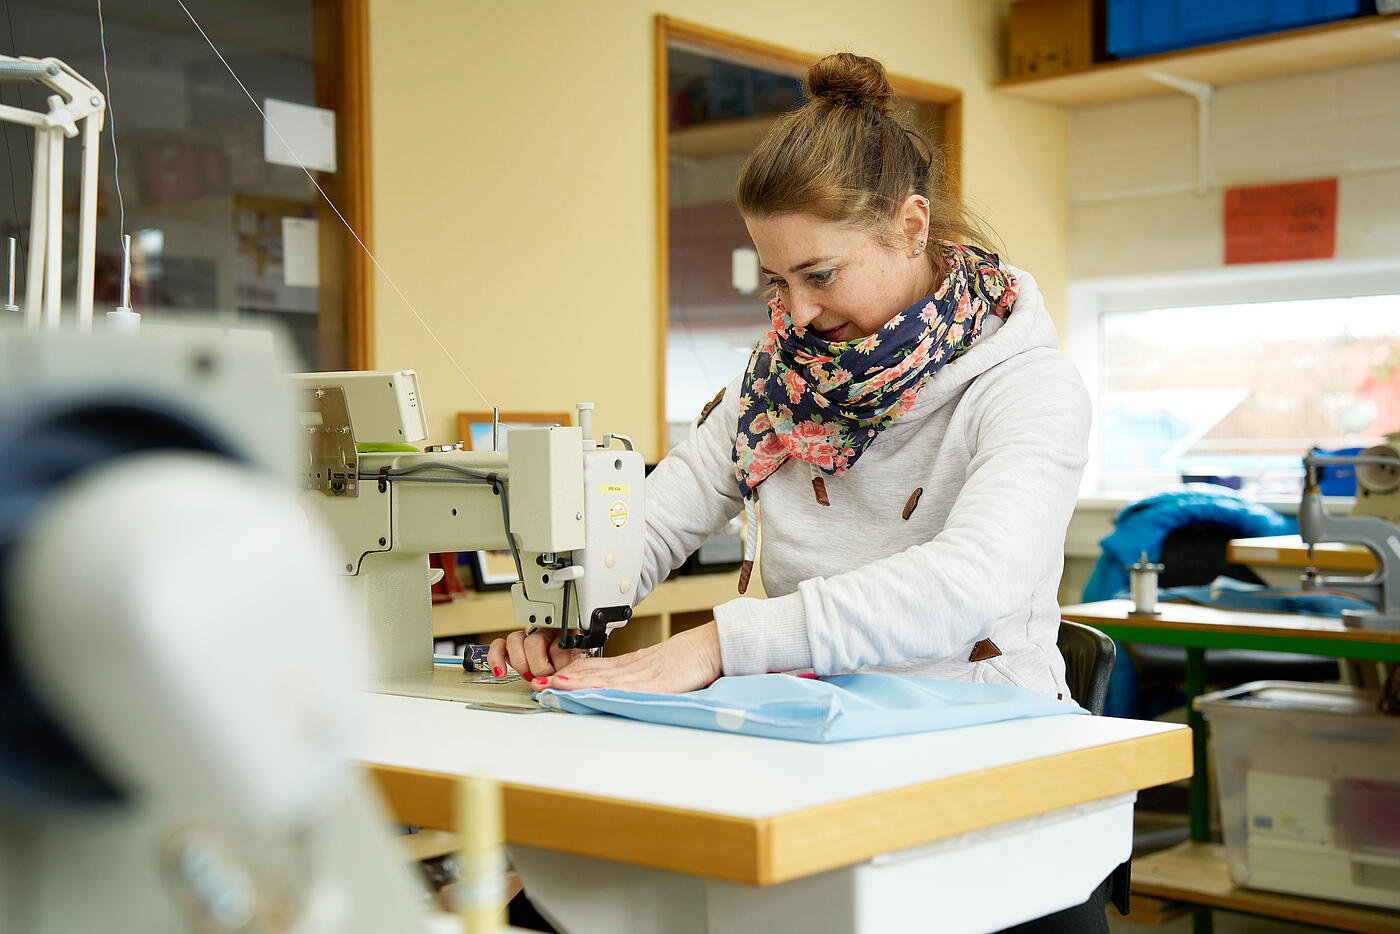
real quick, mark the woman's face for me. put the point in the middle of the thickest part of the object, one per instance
(840, 283)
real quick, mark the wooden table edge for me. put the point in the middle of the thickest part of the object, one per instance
(1160, 624)
(791, 845)
(1253, 551)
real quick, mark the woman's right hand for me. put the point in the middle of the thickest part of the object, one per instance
(536, 655)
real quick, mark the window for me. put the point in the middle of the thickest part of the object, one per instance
(1236, 374)
(206, 211)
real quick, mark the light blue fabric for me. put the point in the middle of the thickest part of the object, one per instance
(826, 710)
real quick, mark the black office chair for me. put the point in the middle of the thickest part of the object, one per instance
(1089, 656)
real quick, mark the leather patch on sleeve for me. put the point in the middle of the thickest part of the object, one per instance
(984, 650)
(819, 487)
(913, 503)
(710, 407)
(744, 571)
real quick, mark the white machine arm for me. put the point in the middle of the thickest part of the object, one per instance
(179, 757)
(568, 509)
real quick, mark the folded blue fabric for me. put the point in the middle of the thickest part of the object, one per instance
(1232, 594)
(826, 710)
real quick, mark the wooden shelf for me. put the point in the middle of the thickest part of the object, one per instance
(1197, 873)
(475, 612)
(1328, 45)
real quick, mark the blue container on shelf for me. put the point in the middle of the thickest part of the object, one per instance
(1142, 27)
(1337, 479)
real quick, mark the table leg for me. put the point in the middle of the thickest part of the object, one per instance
(1202, 921)
(1199, 795)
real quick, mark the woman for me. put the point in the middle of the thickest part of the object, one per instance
(912, 434)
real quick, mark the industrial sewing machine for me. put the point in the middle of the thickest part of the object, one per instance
(568, 508)
(179, 674)
(1374, 523)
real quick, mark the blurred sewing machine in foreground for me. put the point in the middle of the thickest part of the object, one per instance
(1374, 523)
(568, 508)
(178, 678)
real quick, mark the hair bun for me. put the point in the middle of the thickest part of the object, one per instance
(851, 80)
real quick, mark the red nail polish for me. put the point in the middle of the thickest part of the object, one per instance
(541, 680)
(498, 671)
(562, 677)
(526, 675)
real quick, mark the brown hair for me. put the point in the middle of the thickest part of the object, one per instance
(846, 156)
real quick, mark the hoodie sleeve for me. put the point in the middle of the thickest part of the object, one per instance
(692, 493)
(1026, 423)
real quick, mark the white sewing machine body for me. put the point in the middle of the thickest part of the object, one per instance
(574, 509)
(181, 763)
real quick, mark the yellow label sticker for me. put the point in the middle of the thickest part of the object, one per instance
(614, 489)
(617, 512)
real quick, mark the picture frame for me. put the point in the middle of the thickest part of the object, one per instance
(490, 570)
(474, 428)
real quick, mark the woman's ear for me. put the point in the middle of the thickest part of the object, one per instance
(913, 220)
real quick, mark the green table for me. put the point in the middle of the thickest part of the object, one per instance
(1198, 628)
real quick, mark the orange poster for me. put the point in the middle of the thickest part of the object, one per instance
(1276, 223)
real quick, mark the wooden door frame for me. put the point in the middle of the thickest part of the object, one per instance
(341, 61)
(743, 50)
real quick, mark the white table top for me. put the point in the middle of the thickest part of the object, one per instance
(748, 809)
(701, 770)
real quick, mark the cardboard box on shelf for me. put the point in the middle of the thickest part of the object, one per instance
(1051, 37)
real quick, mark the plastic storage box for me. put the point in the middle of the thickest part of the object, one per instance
(1337, 479)
(1308, 778)
(1141, 27)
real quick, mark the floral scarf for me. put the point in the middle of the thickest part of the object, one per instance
(823, 403)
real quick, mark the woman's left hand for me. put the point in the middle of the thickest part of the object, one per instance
(684, 662)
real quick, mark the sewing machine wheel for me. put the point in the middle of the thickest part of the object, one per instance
(1379, 478)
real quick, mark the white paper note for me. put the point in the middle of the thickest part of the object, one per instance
(300, 253)
(309, 132)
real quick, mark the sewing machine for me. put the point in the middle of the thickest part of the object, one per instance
(1373, 524)
(179, 678)
(568, 508)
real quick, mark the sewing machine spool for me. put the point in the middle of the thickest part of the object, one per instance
(1143, 586)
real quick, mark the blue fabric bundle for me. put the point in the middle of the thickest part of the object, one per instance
(1144, 525)
(826, 710)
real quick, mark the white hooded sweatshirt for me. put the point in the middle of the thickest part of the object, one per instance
(996, 442)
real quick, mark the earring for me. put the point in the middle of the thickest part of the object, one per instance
(917, 252)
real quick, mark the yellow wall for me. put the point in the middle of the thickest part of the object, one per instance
(513, 193)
